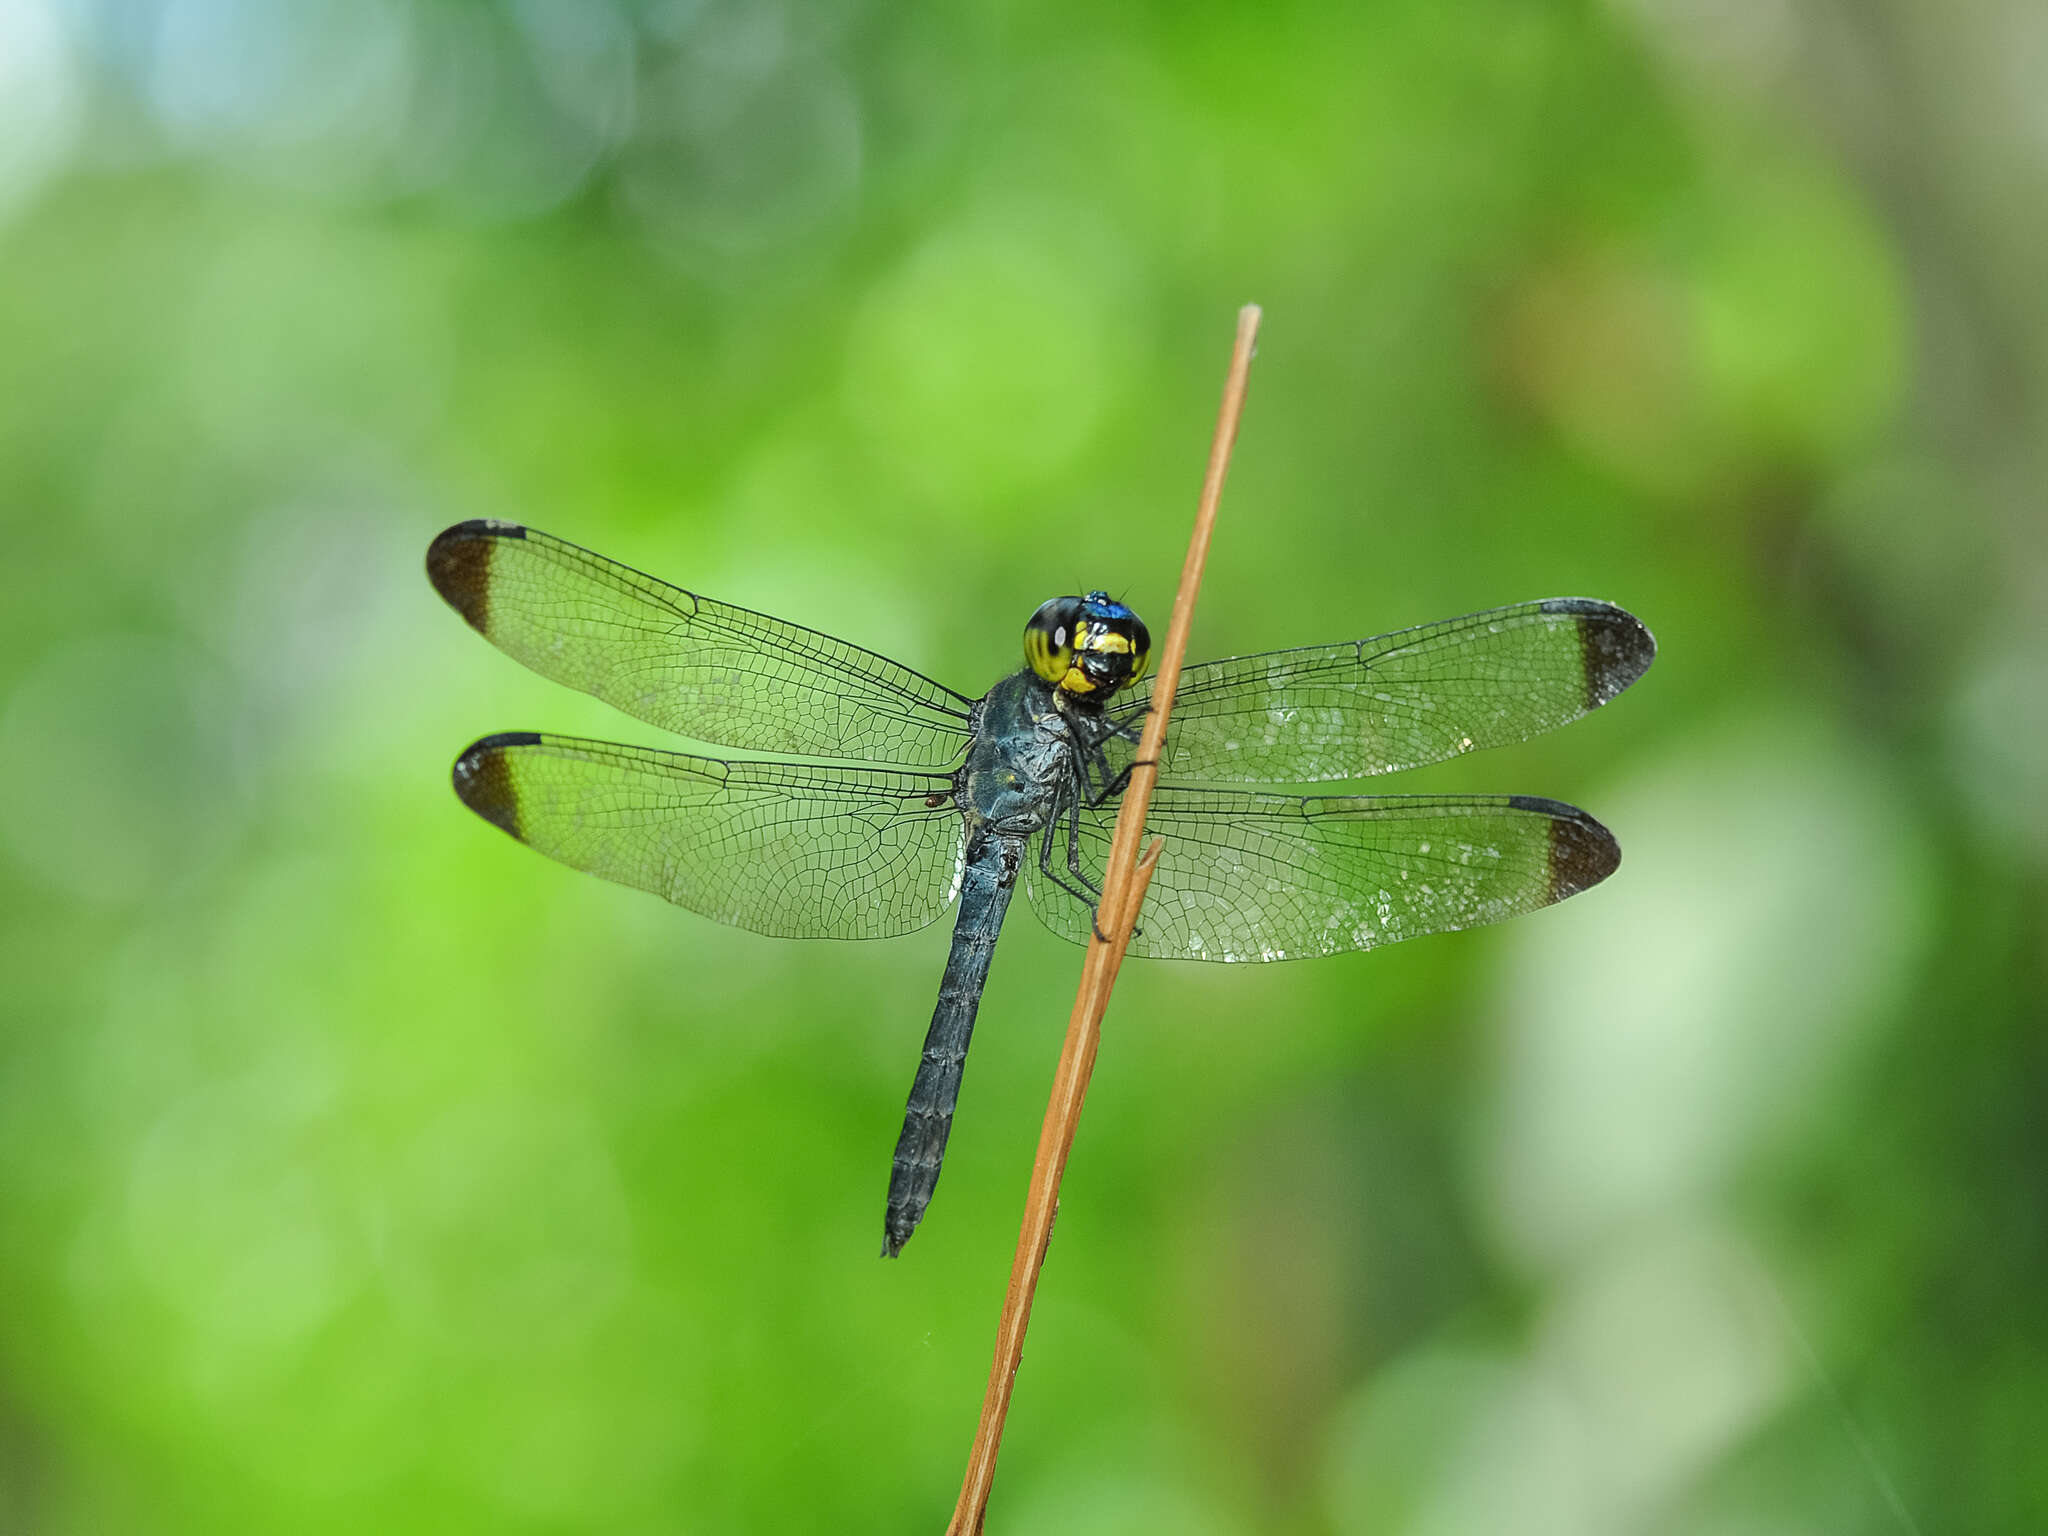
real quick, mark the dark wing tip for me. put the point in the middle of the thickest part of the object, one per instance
(1614, 647)
(459, 565)
(1582, 852)
(483, 778)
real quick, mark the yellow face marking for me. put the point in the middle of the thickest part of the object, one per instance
(1058, 640)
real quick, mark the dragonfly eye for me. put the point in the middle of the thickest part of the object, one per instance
(1050, 637)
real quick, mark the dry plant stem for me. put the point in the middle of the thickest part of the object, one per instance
(1124, 880)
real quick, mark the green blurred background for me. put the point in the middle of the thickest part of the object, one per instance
(362, 1170)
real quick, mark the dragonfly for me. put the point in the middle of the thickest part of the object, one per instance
(876, 798)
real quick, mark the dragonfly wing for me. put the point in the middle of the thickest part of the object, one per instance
(1401, 700)
(1247, 876)
(796, 851)
(689, 664)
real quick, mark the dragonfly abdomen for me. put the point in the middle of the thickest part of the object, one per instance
(986, 883)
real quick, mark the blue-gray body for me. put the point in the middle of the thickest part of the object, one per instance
(1023, 768)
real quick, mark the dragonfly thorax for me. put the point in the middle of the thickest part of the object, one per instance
(1087, 647)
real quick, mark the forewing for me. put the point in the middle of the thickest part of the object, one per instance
(1248, 876)
(780, 848)
(1397, 701)
(689, 664)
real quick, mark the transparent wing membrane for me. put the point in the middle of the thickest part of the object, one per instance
(1397, 701)
(689, 664)
(779, 848)
(1247, 876)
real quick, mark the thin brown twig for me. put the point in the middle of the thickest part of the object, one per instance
(1124, 881)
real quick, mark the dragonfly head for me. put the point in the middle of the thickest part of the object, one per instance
(1087, 647)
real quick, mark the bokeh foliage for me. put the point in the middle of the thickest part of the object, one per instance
(360, 1170)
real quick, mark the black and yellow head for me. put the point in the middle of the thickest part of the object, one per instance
(1087, 647)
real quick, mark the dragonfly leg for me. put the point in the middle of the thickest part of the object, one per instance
(1086, 891)
(1074, 849)
(1094, 896)
(1117, 785)
(1096, 762)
